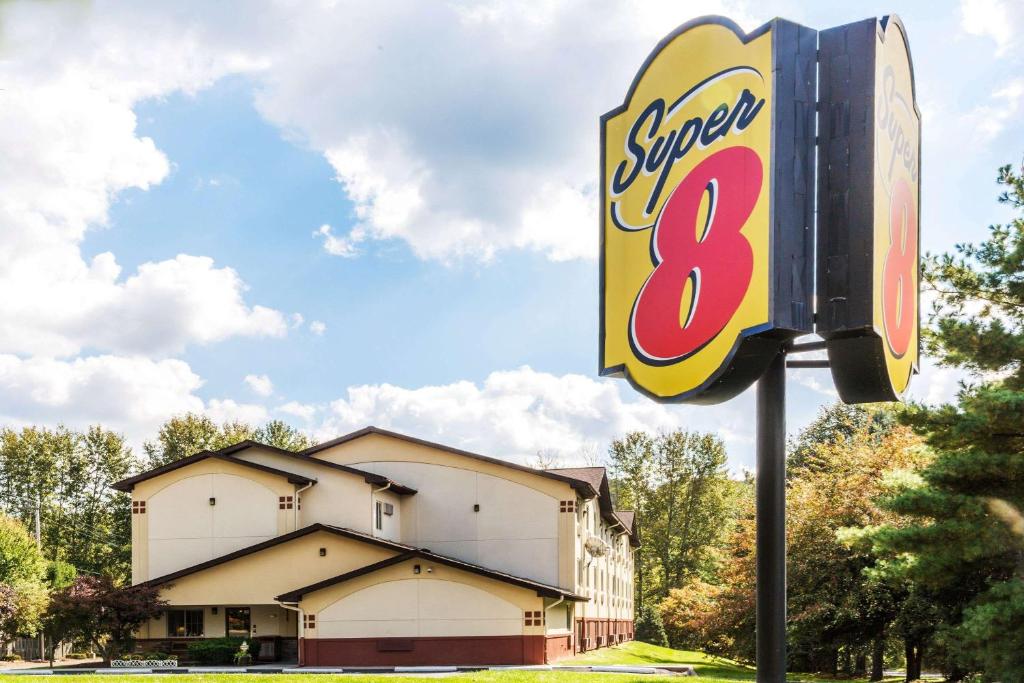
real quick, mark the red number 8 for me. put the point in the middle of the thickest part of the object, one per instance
(717, 263)
(899, 300)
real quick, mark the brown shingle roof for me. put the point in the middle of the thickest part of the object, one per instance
(368, 477)
(129, 483)
(278, 540)
(584, 487)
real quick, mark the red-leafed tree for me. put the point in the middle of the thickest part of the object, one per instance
(105, 615)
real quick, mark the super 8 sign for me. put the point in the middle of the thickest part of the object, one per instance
(869, 210)
(707, 210)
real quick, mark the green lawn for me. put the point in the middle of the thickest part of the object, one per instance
(709, 669)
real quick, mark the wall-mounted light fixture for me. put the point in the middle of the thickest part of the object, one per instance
(213, 501)
(415, 569)
(476, 507)
(323, 552)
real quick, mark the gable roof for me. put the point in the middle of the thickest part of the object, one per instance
(627, 517)
(278, 540)
(543, 590)
(129, 483)
(368, 477)
(583, 487)
(598, 478)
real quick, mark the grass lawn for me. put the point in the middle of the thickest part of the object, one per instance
(709, 669)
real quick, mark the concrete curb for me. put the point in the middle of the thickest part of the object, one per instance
(667, 669)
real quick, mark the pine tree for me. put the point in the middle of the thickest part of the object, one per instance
(965, 544)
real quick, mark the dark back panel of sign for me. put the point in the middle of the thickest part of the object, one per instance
(792, 283)
(846, 182)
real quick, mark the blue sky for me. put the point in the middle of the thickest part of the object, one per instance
(171, 169)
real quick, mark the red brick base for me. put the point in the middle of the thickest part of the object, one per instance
(592, 634)
(462, 651)
(465, 651)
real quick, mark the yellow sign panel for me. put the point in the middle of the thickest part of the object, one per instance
(687, 163)
(897, 206)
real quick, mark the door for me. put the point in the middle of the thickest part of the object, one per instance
(238, 622)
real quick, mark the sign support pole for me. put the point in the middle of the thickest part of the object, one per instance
(771, 523)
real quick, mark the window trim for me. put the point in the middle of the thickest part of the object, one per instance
(185, 622)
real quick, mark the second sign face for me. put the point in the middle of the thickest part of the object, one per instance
(707, 185)
(868, 253)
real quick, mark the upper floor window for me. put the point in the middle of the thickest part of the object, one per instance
(185, 623)
(378, 521)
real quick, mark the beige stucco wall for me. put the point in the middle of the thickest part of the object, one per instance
(338, 498)
(607, 580)
(266, 620)
(258, 578)
(396, 602)
(517, 529)
(180, 528)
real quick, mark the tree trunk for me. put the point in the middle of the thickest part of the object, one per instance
(847, 661)
(877, 658)
(908, 652)
(860, 664)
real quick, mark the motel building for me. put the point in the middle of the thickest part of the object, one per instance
(379, 549)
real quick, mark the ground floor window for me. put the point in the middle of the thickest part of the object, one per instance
(238, 622)
(185, 623)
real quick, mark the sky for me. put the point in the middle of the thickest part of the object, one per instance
(345, 213)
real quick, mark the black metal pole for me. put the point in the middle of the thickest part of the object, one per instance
(771, 523)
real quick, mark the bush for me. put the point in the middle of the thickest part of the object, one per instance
(219, 650)
(648, 628)
(691, 616)
(10, 657)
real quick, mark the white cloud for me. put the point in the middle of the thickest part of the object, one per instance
(462, 158)
(296, 320)
(302, 411)
(318, 328)
(513, 414)
(1000, 20)
(339, 246)
(133, 395)
(228, 410)
(71, 75)
(991, 119)
(260, 384)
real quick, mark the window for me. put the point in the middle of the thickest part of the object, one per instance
(285, 502)
(379, 521)
(237, 622)
(185, 623)
(533, 618)
(138, 507)
(309, 621)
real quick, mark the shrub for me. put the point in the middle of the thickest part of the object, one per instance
(10, 657)
(648, 628)
(219, 650)
(691, 615)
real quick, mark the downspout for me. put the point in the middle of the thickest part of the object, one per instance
(554, 604)
(300, 627)
(295, 512)
(373, 509)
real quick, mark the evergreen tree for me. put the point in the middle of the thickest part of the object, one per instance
(966, 542)
(649, 627)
